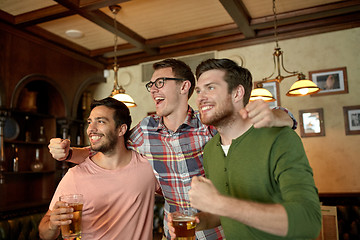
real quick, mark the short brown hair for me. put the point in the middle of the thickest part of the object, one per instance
(234, 74)
(180, 69)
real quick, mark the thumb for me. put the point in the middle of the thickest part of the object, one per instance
(65, 143)
(195, 179)
(204, 179)
(243, 113)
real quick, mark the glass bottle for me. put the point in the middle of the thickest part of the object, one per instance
(79, 136)
(27, 130)
(15, 162)
(37, 165)
(42, 138)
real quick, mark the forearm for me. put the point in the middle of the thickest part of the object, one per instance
(270, 218)
(282, 118)
(78, 155)
(46, 230)
(207, 221)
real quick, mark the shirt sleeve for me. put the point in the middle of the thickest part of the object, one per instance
(294, 176)
(67, 185)
(136, 138)
(295, 123)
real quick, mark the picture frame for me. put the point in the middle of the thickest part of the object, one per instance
(330, 81)
(352, 119)
(312, 123)
(274, 88)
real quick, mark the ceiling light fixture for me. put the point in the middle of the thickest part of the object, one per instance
(73, 33)
(118, 91)
(301, 87)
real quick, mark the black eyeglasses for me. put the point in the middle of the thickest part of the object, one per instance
(159, 82)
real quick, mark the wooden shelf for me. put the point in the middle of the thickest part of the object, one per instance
(27, 189)
(29, 172)
(26, 143)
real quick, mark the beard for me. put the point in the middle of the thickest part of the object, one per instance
(223, 114)
(109, 144)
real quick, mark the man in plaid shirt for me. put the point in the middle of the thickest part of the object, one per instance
(173, 139)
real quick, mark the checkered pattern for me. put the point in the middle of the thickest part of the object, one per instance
(176, 157)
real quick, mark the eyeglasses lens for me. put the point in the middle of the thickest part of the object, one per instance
(159, 83)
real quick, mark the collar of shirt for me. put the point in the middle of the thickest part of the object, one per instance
(191, 120)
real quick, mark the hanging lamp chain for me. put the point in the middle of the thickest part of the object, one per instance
(115, 9)
(275, 24)
(278, 57)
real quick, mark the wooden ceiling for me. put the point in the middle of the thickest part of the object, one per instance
(154, 29)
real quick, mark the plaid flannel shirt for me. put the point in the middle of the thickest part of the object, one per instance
(175, 157)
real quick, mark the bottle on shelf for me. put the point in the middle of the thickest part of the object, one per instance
(41, 137)
(80, 135)
(27, 130)
(37, 165)
(15, 162)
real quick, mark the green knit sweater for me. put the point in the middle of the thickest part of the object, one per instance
(266, 165)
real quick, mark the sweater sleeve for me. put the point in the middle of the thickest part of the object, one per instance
(294, 176)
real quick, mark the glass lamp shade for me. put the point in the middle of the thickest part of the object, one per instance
(303, 87)
(121, 96)
(261, 93)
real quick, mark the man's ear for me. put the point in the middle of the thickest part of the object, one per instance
(122, 129)
(185, 87)
(238, 93)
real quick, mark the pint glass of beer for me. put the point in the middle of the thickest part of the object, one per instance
(184, 224)
(73, 230)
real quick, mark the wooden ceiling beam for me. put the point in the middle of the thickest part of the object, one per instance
(205, 33)
(122, 31)
(58, 11)
(90, 5)
(106, 22)
(56, 47)
(238, 40)
(121, 50)
(42, 15)
(308, 14)
(175, 39)
(7, 17)
(239, 14)
(57, 40)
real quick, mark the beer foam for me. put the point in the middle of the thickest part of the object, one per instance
(183, 218)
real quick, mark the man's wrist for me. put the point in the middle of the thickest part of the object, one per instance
(294, 122)
(69, 155)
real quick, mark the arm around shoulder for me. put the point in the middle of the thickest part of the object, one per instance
(284, 118)
(260, 115)
(78, 155)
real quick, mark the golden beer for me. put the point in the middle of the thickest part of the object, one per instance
(184, 227)
(74, 228)
(72, 231)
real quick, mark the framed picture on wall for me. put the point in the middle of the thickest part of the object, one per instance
(352, 119)
(312, 122)
(273, 87)
(330, 81)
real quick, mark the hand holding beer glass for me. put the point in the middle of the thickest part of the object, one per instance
(184, 223)
(72, 231)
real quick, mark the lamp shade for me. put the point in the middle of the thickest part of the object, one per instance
(303, 87)
(261, 93)
(123, 97)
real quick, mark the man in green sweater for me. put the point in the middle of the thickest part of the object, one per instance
(259, 182)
